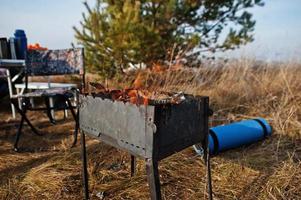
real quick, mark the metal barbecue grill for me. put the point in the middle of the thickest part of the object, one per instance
(151, 132)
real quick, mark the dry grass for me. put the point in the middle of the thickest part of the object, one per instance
(241, 89)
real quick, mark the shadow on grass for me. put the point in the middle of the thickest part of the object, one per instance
(21, 169)
(266, 157)
(51, 135)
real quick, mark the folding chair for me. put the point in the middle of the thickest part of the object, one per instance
(43, 63)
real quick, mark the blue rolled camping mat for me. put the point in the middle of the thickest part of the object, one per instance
(237, 134)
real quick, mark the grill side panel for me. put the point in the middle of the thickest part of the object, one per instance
(180, 126)
(123, 125)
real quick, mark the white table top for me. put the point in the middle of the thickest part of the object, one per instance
(45, 85)
(12, 63)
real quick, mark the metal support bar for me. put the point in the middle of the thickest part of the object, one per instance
(205, 145)
(153, 178)
(10, 90)
(133, 165)
(19, 92)
(51, 102)
(32, 102)
(23, 118)
(17, 76)
(65, 113)
(18, 135)
(75, 117)
(23, 114)
(49, 109)
(208, 172)
(84, 166)
(42, 108)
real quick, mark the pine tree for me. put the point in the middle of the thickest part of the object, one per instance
(118, 32)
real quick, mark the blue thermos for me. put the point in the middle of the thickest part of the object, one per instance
(21, 43)
(237, 134)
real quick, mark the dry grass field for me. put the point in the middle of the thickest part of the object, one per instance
(49, 169)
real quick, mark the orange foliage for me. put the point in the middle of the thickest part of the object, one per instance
(158, 68)
(36, 46)
(138, 81)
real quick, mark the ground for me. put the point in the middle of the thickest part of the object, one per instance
(47, 168)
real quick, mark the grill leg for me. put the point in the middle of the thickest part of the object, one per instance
(208, 168)
(133, 165)
(84, 162)
(153, 179)
(205, 145)
(75, 134)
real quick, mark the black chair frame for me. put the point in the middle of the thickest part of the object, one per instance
(26, 106)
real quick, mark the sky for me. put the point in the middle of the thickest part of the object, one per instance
(50, 22)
